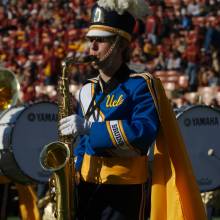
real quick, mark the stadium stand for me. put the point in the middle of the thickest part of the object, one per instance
(178, 43)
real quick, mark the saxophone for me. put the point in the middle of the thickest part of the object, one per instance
(57, 157)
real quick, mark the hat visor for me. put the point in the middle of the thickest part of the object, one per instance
(99, 33)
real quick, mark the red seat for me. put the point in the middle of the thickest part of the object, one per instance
(172, 2)
(198, 21)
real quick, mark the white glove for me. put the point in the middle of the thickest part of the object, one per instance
(74, 125)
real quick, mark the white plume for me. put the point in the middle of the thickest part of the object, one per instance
(137, 8)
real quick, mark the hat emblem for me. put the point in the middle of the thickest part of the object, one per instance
(98, 15)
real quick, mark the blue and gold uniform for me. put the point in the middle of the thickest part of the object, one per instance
(124, 126)
(112, 158)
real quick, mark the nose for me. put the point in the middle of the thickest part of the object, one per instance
(94, 45)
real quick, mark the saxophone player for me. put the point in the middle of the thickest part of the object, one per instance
(121, 114)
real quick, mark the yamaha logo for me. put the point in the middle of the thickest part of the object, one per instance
(202, 121)
(187, 122)
(42, 117)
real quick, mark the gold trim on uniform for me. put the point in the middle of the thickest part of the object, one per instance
(102, 115)
(114, 170)
(94, 80)
(92, 89)
(112, 30)
(125, 137)
(111, 133)
(149, 83)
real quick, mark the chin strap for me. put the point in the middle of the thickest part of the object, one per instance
(109, 52)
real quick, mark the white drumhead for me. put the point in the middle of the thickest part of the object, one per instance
(35, 127)
(7, 122)
(200, 127)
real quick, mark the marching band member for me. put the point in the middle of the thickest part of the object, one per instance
(121, 114)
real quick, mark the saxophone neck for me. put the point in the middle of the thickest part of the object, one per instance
(78, 60)
(69, 61)
(65, 64)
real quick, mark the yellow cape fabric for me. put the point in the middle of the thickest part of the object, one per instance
(175, 194)
(28, 202)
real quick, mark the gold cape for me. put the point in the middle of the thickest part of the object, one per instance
(175, 194)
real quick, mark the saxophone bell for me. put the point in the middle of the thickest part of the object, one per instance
(54, 156)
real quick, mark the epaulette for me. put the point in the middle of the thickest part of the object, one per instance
(91, 80)
(143, 74)
(152, 84)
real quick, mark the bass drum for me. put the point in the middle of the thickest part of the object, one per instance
(200, 127)
(24, 130)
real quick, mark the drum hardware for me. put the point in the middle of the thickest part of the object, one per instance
(211, 152)
(4, 201)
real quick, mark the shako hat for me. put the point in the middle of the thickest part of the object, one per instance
(116, 17)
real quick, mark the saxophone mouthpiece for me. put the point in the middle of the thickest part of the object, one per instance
(89, 59)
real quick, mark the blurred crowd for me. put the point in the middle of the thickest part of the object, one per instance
(178, 42)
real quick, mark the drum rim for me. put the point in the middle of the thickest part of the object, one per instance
(28, 180)
(33, 103)
(10, 149)
(2, 114)
(10, 143)
(187, 108)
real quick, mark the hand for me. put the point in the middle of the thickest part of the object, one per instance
(74, 125)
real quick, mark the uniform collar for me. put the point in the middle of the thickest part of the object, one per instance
(120, 76)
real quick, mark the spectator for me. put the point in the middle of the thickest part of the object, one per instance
(191, 55)
(173, 62)
(213, 79)
(37, 35)
(210, 30)
(194, 8)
